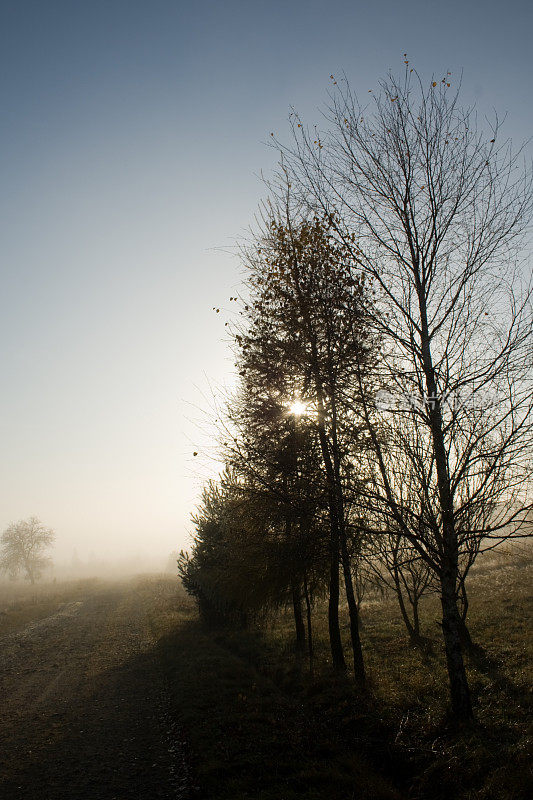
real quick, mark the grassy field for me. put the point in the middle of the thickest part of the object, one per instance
(259, 726)
(21, 603)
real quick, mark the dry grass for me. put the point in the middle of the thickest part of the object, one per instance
(21, 603)
(260, 726)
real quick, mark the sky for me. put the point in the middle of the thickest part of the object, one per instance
(132, 140)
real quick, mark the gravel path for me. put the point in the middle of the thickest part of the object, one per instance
(83, 709)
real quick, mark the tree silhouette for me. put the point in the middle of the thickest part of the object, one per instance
(433, 211)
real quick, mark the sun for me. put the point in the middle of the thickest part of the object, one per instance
(297, 408)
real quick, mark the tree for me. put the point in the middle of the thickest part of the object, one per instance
(433, 210)
(306, 332)
(276, 453)
(210, 572)
(23, 545)
(244, 561)
(396, 565)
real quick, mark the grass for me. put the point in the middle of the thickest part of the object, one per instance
(22, 604)
(259, 726)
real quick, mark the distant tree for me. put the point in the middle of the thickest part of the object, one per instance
(23, 545)
(396, 565)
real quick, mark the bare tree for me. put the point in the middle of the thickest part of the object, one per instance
(23, 545)
(396, 565)
(433, 210)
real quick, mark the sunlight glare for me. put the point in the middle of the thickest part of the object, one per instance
(297, 408)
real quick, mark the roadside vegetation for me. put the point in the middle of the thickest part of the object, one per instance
(259, 725)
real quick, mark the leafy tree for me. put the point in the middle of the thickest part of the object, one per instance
(306, 338)
(210, 572)
(276, 453)
(244, 562)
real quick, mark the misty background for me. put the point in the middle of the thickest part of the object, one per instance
(132, 138)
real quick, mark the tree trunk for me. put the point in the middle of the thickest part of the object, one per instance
(309, 625)
(405, 615)
(459, 690)
(358, 662)
(416, 619)
(296, 595)
(337, 653)
(337, 496)
(464, 635)
(298, 619)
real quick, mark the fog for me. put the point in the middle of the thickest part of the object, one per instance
(132, 137)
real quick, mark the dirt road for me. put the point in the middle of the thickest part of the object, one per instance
(83, 708)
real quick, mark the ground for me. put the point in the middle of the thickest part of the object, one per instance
(85, 710)
(261, 727)
(115, 690)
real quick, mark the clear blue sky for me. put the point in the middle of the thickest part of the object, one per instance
(131, 135)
